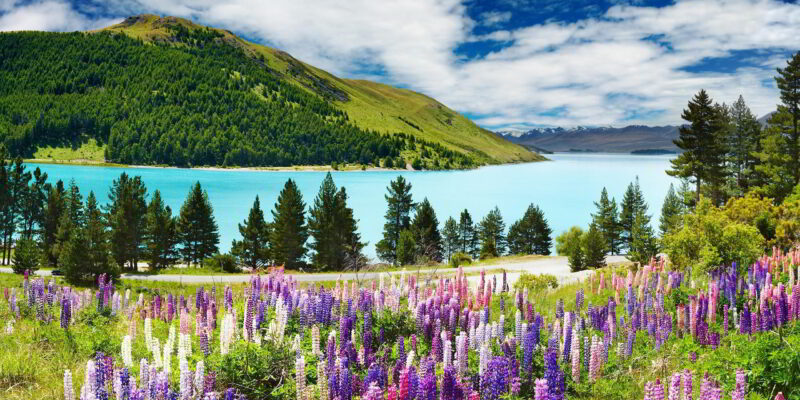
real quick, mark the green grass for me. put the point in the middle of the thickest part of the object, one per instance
(88, 151)
(369, 105)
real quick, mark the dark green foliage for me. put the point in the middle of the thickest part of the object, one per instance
(743, 143)
(223, 263)
(607, 220)
(398, 218)
(644, 245)
(54, 209)
(788, 82)
(671, 211)
(467, 236)
(33, 204)
(162, 234)
(258, 372)
(595, 252)
(127, 209)
(703, 143)
(491, 231)
(253, 250)
(406, 248)
(203, 102)
(26, 256)
(530, 234)
(450, 239)
(457, 259)
(85, 250)
(576, 260)
(197, 227)
(289, 231)
(425, 228)
(632, 204)
(336, 242)
(14, 184)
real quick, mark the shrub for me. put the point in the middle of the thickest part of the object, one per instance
(223, 262)
(26, 256)
(259, 372)
(459, 258)
(536, 282)
(567, 242)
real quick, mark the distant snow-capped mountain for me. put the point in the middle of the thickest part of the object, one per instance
(633, 138)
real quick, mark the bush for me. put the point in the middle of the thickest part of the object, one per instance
(26, 256)
(417, 164)
(536, 283)
(223, 262)
(459, 258)
(259, 372)
(569, 241)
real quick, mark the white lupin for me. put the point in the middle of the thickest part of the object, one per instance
(126, 351)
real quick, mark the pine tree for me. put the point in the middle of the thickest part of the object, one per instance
(347, 231)
(398, 218)
(595, 252)
(671, 211)
(632, 203)
(333, 228)
(162, 234)
(450, 238)
(425, 228)
(788, 81)
(644, 245)
(779, 163)
(607, 221)
(467, 237)
(575, 259)
(51, 218)
(253, 250)
(126, 209)
(197, 228)
(406, 248)
(98, 251)
(491, 231)
(702, 142)
(530, 234)
(743, 144)
(11, 213)
(34, 204)
(26, 255)
(289, 231)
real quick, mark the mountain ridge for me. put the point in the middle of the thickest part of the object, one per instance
(627, 139)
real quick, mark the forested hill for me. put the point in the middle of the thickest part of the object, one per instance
(157, 90)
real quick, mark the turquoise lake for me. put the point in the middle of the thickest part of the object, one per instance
(565, 188)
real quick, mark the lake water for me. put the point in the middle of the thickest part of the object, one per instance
(565, 188)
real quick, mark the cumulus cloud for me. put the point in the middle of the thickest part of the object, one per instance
(46, 16)
(629, 64)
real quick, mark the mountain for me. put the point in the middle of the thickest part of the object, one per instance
(630, 139)
(163, 90)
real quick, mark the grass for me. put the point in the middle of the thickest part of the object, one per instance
(88, 151)
(369, 105)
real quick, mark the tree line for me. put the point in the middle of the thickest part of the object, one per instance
(408, 240)
(203, 102)
(728, 153)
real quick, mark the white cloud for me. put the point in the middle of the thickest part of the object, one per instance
(627, 66)
(45, 16)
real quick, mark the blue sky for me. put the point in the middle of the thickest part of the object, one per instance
(507, 64)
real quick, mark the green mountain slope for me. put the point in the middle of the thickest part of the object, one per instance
(168, 91)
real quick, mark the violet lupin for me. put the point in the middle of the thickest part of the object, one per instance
(540, 391)
(687, 385)
(741, 383)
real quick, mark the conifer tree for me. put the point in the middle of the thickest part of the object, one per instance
(467, 237)
(595, 253)
(253, 250)
(406, 248)
(530, 234)
(788, 81)
(398, 218)
(632, 203)
(51, 218)
(26, 255)
(425, 228)
(644, 245)
(333, 228)
(197, 228)
(34, 204)
(126, 209)
(15, 188)
(607, 221)
(491, 231)
(575, 259)
(162, 234)
(743, 145)
(289, 231)
(97, 245)
(450, 238)
(671, 211)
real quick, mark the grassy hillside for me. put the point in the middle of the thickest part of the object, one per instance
(369, 105)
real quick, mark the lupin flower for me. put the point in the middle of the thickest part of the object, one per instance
(69, 392)
(540, 390)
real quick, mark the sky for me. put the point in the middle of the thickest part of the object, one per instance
(507, 64)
